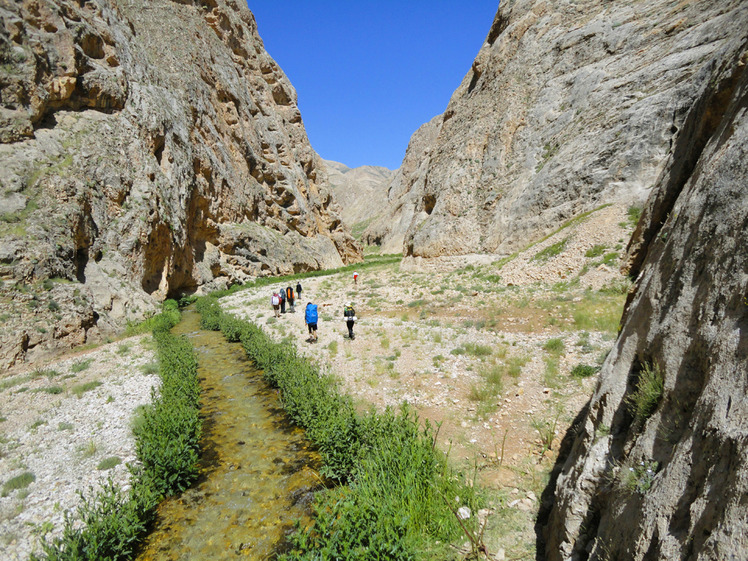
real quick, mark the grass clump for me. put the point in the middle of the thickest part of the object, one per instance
(551, 251)
(554, 346)
(595, 251)
(584, 371)
(109, 463)
(81, 365)
(647, 393)
(18, 482)
(79, 389)
(394, 484)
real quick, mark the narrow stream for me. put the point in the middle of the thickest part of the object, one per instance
(257, 471)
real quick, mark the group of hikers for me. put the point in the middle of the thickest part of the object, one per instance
(284, 296)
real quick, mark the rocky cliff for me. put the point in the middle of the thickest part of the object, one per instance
(658, 465)
(568, 105)
(361, 192)
(149, 149)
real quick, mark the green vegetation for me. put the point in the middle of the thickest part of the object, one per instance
(80, 365)
(633, 215)
(584, 371)
(18, 482)
(554, 346)
(109, 463)
(396, 494)
(595, 251)
(80, 389)
(551, 251)
(647, 394)
(110, 524)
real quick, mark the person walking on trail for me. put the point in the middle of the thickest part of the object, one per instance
(355, 277)
(349, 314)
(290, 300)
(298, 291)
(310, 318)
(282, 294)
(275, 302)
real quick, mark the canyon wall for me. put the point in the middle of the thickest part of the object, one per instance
(670, 481)
(149, 149)
(568, 105)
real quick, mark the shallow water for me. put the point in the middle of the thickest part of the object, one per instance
(257, 471)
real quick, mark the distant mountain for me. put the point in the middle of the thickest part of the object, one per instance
(360, 192)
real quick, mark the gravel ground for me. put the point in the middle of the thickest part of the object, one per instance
(59, 431)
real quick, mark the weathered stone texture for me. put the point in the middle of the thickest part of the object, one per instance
(152, 148)
(569, 105)
(688, 316)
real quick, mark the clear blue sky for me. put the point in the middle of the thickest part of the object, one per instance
(367, 73)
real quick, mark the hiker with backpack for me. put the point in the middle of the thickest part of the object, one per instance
(275, 302)
(298, 290)
(355, 277)
(310, 318)
(290, 300)
(349, 315)
(282, 294)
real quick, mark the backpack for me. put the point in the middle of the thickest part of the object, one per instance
(289, 293)
(275, 300)
(349, 312)
(310, 315)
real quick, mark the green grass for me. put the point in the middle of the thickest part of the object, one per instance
(18, 482)
(649, 387)
(109, 463)
(595, 251)
(554, 346)
(79, 389)
(551, 251)
(81, 365)
(584, 371)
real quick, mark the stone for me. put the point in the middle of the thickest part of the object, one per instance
(685, 321)
(148, 152)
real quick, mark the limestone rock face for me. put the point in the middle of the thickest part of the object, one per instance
(149, 149)
(672, 484)
(361, 192)
(404, 192)
(568, 105)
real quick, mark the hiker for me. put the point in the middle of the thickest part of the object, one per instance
(310, 318)
(298, 290)
(355, 277)
(349, 314)
(283, 300)
(275, 301)
(290, 299)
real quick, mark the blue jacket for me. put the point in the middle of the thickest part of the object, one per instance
(310, 314)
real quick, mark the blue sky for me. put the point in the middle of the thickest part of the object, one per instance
(368, 74)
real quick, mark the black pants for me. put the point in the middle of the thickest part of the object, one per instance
(283, 306)
(350, 323)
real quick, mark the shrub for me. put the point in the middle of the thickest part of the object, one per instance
(595, 251)
(80, 389)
